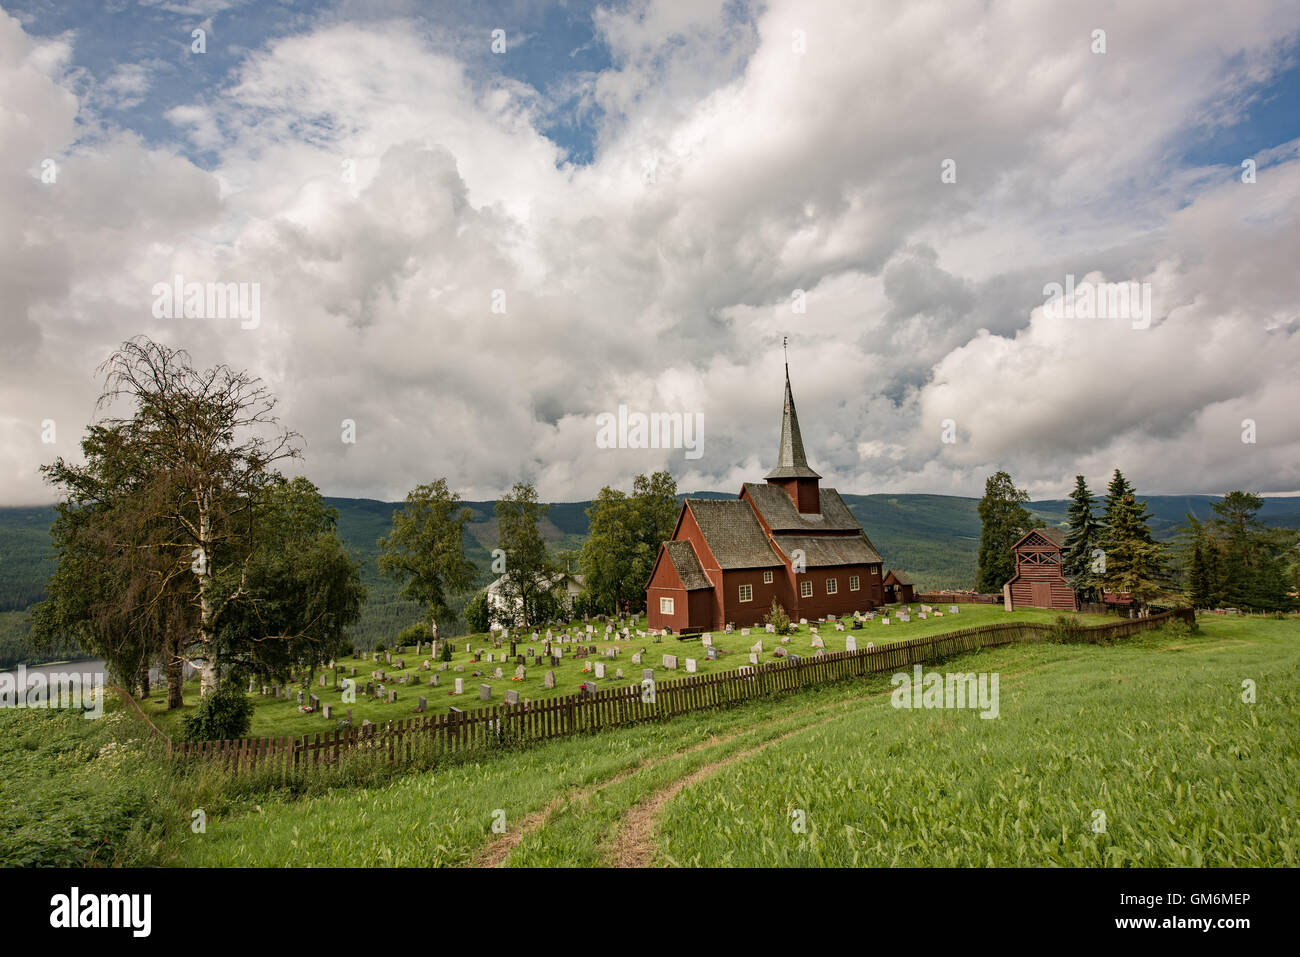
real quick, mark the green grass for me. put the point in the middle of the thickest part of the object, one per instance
(78, 792)
(274, 717)
(1151, 730)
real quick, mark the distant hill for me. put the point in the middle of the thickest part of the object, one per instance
(934, 538)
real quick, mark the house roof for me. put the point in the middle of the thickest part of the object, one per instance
(900, 578)
(682, 554)
(1054, 535)
(733, 534)
(791, 462)
(781, 516)
(822, 550)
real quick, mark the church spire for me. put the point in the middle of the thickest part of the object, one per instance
(791, 462)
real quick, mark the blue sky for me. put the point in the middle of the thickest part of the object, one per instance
(653, 186)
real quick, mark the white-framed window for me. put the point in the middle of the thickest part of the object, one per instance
(805, 589)
(767, 578)
(746, 592)
(832, 586)
(665, 606)
(854, 583)
(875, 573)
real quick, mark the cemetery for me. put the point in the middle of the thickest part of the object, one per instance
(482, 671)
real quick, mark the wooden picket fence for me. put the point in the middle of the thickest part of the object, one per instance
(536, 721)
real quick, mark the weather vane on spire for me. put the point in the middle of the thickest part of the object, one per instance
(786, 355)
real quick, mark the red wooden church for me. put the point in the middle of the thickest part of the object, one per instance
(1039, 581)
(789, 539)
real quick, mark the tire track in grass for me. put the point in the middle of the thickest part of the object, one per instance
(634, 844)
(498, 851)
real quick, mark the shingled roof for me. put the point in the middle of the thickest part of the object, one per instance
(781, 516)
(822, 550)
(682, 554)
(1054, 535)
(733, 533)
(791, 462)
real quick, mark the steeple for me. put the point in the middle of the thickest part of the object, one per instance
(791, 462)
(792, 472)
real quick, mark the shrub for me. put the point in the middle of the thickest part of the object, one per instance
(1067, 630)
(226, 713)
(446, 652)
(413, 634)
(776, 616)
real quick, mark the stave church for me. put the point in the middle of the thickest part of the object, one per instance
(787, 539)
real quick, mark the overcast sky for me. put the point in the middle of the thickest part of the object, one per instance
(639, 189)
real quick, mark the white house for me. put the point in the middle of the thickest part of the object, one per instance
(503, 607)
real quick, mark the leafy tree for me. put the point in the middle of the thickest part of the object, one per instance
(530, 575)
(301, 589)
(1081, 538)
(478, 613)
(172, 495)
(426, 549)
(776, 615)
(1004, 520)
(623, 542)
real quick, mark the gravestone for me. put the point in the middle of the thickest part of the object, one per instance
(521, 672)
(300, 697)
(706, 640)
(744, 632)
(884, 621)
(753, 658)
(600, 669)
(953, 609)
(636, 658)
(421, 705)
(670, 661)
(818, 642)
(618, 675)
(757, 647)
(647, 673)
(549, 680)
(851, 643)
(770, 629)
(794, 658)
(315, 703)
(512, 697)
(325, 711)
(498, 673)
(484, 692)
(349, 715)
(460, 686)
(392, 695)
(433, 681)
(690, 666)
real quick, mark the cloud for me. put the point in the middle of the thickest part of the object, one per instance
(432, 268)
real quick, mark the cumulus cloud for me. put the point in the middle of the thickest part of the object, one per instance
(432, 268)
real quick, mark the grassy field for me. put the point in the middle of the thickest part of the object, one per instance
(274, 717)
(1152, 731)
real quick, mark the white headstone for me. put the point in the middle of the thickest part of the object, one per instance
(670, 661)
(460, 686)
(851, 643)
(690, 666)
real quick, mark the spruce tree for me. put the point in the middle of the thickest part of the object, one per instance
(1134, 562)
(1081, 538)
(1004, 520)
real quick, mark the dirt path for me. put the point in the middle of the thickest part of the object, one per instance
(635, 846)
(498, 850)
